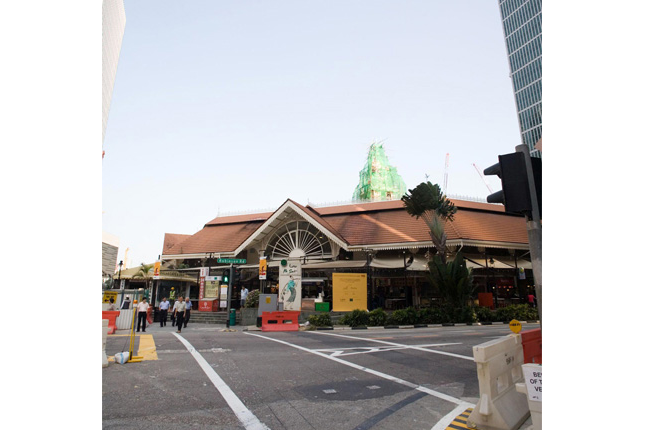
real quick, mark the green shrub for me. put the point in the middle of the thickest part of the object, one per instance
(252, 299)
(516, 312)
(484, 314)
(355, 318)
(378, 317)
(320, 320)
(434, 315)
(407, 316)
(466, 314)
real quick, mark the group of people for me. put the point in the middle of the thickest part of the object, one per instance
(180, 312)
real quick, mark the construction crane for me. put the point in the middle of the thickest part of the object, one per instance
(445, 175)
(483, 178)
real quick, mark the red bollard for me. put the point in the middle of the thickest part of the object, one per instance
(532, 346)
(280, 321)
(111, 317)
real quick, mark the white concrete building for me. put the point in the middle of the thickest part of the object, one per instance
(113, 30)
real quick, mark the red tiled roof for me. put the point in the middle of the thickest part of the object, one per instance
(172, 239)
(240, 218)
(215, 238)
(362, 224)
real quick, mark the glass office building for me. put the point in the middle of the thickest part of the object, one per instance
(522, 23)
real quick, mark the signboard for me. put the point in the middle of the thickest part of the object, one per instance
(211, 289)
(349, 291)
(232, 260)
(290, 282)
(223, 296)
(157, 271)
(533, 379)
(263, 269)
(515, 326)
(203, 272)
(107, 295)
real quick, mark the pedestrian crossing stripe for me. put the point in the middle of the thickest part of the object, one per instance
(459, 423)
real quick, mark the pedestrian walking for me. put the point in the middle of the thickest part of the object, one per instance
(244, 293)
(163, 309)
(531, 300)
(142, 311)
(189, 306)
(180, 308)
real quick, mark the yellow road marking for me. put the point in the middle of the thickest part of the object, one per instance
(460, 421)
(147, 348)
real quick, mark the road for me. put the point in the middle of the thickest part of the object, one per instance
(342, 379)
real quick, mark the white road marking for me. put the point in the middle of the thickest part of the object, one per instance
(419, 348)
(448, 419)
(371, 371)
(246, 417)
(335, 352)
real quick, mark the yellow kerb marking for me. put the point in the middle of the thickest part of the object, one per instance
(147, 348)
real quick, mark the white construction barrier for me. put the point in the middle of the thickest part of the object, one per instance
(105, 334)
(124, 320)
(500, 406)
(532, 387)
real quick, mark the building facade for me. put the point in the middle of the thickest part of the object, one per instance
(377, 239)
(522, 24)
(113, 30)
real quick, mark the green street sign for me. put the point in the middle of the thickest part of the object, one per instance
(232, 260)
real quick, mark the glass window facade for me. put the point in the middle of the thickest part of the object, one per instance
(522, 23)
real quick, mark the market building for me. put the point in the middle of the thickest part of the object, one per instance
(378, 239)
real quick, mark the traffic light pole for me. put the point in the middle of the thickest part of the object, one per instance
(534, 229)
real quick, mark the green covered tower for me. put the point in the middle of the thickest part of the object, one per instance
(379, 180)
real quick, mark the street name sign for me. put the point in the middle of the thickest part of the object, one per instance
(232, 260)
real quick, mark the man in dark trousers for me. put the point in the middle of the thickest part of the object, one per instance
(189, 306)
(180, 308)
(142, 311)
(163, 309)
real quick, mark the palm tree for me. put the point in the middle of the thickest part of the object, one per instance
(453, 280)
(144, 272)
(426, 201)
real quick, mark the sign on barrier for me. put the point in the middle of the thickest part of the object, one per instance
(533, 381)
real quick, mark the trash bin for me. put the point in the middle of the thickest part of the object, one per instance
(231, 317)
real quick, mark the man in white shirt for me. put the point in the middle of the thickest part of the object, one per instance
(243, 295)
(163, 308)
(180, 308)
(142, 310)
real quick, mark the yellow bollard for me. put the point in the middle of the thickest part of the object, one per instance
(131, 358)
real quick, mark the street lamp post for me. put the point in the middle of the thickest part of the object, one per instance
(120, 264)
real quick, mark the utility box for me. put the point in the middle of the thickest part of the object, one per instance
(268, 303)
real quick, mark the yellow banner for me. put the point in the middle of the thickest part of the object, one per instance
(263, 268)
(349, 291)
(109, 294)
(157, 271)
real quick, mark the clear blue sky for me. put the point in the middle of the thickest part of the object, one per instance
(236, 106)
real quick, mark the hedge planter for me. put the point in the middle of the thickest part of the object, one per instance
(248, 316)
